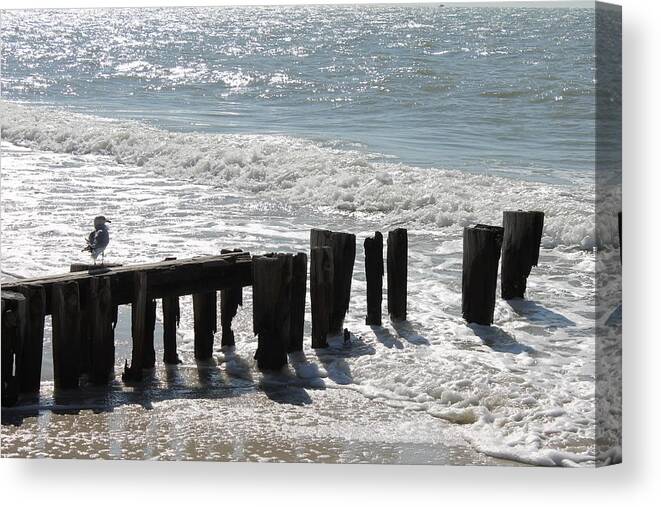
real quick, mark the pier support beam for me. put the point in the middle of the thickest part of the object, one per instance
(298, 292)
(482, 244)
(149, 353)
(28, 362)
(230, 300)
(397, 273)
(139, 323)
(65, 302)
(204, 324)
(521, 242)
(344, 255)
(101, 331)
(85, 342)
(374, 276)
(272, 281)
(171, 314)
(13, 305)
(321, 294)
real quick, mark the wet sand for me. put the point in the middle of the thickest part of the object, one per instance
(224, 410)
(177, 418)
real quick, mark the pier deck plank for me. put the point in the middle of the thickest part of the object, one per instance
(168, 278)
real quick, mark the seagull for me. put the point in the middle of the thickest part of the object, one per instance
(98, 239)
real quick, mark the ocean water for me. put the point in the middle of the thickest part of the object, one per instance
(200, 129)
(488, 90)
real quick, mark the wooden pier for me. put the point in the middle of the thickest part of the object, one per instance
(83, 303)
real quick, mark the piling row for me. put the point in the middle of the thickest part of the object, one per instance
(83, 304)
(519, 240)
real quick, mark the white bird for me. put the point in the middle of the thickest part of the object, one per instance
(98, 239)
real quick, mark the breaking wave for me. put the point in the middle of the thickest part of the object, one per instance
(302, 172)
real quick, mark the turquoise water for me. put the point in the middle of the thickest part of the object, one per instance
(493, 90)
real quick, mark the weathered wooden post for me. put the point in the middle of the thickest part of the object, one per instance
(374, 276)
(397, 273)
(101, 332)
(204, 324)
(8, 354)
(344, 255)
(86, 324)
(171, 314)
(482, 244)
(521, 242)
(11, 344)
(298, 292)
(230, 300)
(321, 293)
(65, 309)
(85, 327)
(28, 362)
(139, 323)
(148, 351)
(272, 277)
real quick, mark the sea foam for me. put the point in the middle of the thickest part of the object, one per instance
(302, 172)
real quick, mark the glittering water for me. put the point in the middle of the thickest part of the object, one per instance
(489, 90)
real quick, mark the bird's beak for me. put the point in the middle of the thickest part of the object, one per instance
(108, 222)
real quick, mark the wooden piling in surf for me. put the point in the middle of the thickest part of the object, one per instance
(344, 255)
(66, 319)
(272, 283)
(13, 306)
(139, 323)
(86, 323)
(298, 293)
(230, 300)
(482, 244)
(171, 315)
(374, 276)
(397, 273)
(28, 361)
(148, 350)
(321, 294)
(521, 241)
(101, 331)
(204, 324)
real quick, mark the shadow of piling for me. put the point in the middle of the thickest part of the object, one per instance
(499, 340)
(538, 314)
